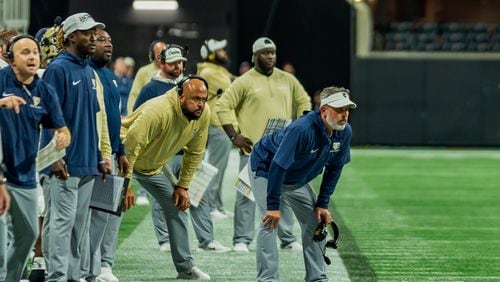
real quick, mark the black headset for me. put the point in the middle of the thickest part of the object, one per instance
(320, 234)
(210, 53)
(162, 54)
(151, 53)
(10, 55)
(185, 79)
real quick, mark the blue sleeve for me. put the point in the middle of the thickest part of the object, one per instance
(144, 95)
(333, 170)
(330, 178)
(275, 179)
(121, 149)
(289, 146)
(54, 117)
(283, 159)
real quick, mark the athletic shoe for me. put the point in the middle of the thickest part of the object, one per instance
(106, 275)
(142, 201)
(293, 247)
(216, 214)
(165, 247)
(37, 270)
(241, 247)
(217, 247)
(194, 273)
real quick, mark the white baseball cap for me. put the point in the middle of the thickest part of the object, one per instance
(210, 46)
(80, 21)
(338, 100)
(263, 43)
(173, 54)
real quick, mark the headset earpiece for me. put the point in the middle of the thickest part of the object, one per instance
(185, 79)
(8, 54)
(210, 53)
(151, 52)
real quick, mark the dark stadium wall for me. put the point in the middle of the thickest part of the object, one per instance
(313, 35)
(426, 102)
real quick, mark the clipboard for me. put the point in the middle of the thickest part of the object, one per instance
(109, 196)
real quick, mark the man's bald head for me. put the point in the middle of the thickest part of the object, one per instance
(193, 98)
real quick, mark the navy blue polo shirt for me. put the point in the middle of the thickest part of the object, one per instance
(297, 154)
(21, 132)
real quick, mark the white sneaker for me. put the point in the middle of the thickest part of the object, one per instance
(241, 247)
(292, 247)
(194, 273)
(165, 247)
(216, 214)
(38, 263)
(106, 275)
(142, 201)
(216, 247)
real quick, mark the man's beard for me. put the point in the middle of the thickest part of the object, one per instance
(190, 115)
(334, 124)
(223, 61)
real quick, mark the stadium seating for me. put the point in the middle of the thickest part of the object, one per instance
(446, 37)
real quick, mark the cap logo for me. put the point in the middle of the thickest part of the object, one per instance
(173, 52)
(84, 18)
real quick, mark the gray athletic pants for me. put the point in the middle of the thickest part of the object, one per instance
(23, 212)
(244, 218)
(218, 147)
(302, 201)
(200, 216)
(162, 190)
(68, 216)
(102, 239)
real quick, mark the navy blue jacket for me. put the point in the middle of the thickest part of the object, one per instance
(112, 102)
(297, 154)
(153, 89)
(21, 132)
(75, 85)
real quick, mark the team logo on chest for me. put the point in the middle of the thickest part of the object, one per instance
(94, 85)
(335, 147)
(36, 100)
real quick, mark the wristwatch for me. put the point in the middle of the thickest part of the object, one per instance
(3, 180)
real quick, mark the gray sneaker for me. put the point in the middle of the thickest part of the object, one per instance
(194, 273)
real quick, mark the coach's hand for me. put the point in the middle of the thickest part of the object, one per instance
(181, 198)
(123, 164)
(243, 143)
(129, 199)
(323, 215)
(103, 170)
(60, 170)
(272, 218)
(4, 199)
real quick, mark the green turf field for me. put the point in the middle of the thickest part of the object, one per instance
(405, 215)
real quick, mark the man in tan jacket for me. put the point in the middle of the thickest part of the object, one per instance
(152, 136)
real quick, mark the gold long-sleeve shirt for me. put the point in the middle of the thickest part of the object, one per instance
(256, 97)
(219, 79)
(157, 130)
